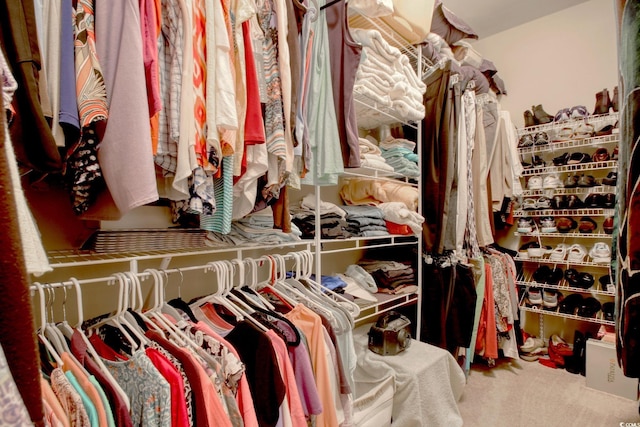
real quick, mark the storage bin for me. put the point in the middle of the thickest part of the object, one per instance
(374, 403)
(603, 372)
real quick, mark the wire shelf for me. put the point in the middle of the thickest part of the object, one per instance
(564, 212)
(596, 121)
(565, 145)
(565, 262)
(609, 164)
(600, 189)
(573, 235)
(598, 319)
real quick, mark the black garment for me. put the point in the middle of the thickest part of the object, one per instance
(33, 141)
(437, 169)
(626, 235)
(263, 374)
(448, 304)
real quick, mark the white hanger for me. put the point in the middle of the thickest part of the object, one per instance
(52, 332)
(43, 327)
(256, 296)
(64, 326)
(153, 312)
(114, 319)
(127, 318)
(90, 349)
(269, 284)
(166, 308)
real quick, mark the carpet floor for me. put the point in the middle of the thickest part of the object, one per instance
(516, 393)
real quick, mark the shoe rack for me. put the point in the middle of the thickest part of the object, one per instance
(538, 160)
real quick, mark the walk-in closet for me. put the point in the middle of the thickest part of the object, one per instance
(329, 213)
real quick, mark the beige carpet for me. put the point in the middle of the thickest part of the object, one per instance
(516, 393)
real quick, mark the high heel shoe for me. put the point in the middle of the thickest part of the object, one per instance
(540, 116)
(528, 119)
(615, 100)
(603, 102)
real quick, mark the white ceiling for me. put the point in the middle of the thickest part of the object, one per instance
(489, 17)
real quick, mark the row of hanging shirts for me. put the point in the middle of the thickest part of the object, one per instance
(270, 353)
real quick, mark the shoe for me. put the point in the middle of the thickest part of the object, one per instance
(548, 225)
(571, 181)
(572, 276)
(611, 178)
(550, 298)
(551, 182)
(534, 355)
(532, 344)
(561, 160)
(582, 131)
(535, 296)
(566, 224)
(576, 253)
(543, 203)
(528, 119)
(541, 275)
(589, 307)
(587, 181)
(563, 135)
(526, 140)
(559, 201)
(538, 162)
(559, 346)
(555, 276)
(606, 285)
(541, 138)
(615, 99)
(608, 310)
(525, 225)
(594, 200)
(578, 158)
(600, 253)
(537, 251)
(585, 280)
(559, 253)
(523, 252)
(562, 115)
(604, 130)
(607, 225)
(609, 200)
(540, 116)
(579, 112)
(535, 183)
(570, 304)
(600, 155)
(603, 102)
(587, 225)
(576, 363)
(529, 204)
(574, 202)
(614, 154)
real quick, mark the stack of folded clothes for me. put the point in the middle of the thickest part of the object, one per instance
(391, 277)
(386, 76)
(401, 220)
(333, 224)
(365, 221)
(367, 191)
(252, 230)
(371, 155)
(398, 153)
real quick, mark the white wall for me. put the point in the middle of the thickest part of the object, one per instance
(559, 61)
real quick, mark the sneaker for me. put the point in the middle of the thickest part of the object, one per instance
(550, 298)
(551, 182)
(559, 253)
(535, 183)
(576, 253)
(543, 203)
(600, 253)
(536, 251)
(534, 355)
(548, 225)
(565, 224)
(525, 225)
(535, 296)
(610, 179)
(606, 285)
(529, 204)
(532, 344)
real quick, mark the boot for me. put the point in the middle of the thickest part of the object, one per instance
(576, 362)
(528, 119)
(603, 101)
(540, 116)
(615, 100)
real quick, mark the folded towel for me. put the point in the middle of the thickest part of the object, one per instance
(368, 147)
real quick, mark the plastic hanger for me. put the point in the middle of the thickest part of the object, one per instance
(43, 327)
(113, 320)
(166, 308)
(268, 288)
(52, 332)
(251, 288)
(64, 326)
(96, 358)
(153, 313)
(127, 318)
